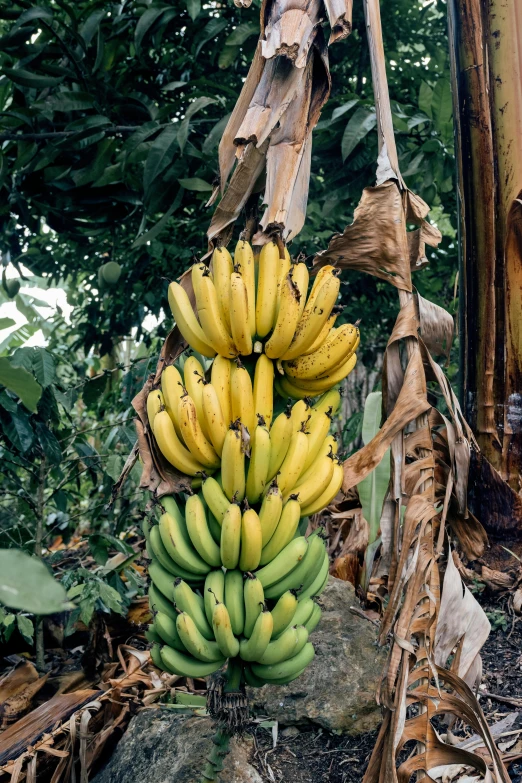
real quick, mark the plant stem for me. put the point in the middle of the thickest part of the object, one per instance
(40, 508)
(234, 675)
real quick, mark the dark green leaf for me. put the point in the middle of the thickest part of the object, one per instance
(214, 137)
(5, 323)
(195, 183)
(30, 14)
(211, 30)
(43, 366)
(359, 125)
(441, 104)
(158, 227)
(93, 390)
(193, 8)
(146, 22)
(69, 101)
(425, 99)
(228, 55)
(28, 79)
(26, 584)
(160, 155)
(25, 627)
(193, 109)
(89, 28)
(49, 443)
(22, 383)
(241, 33)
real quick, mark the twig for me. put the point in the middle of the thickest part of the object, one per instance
(502, 699)
(114, 129)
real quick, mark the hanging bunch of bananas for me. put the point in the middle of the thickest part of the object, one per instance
(259, 304)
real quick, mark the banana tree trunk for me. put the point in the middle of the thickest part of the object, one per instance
(486, 53)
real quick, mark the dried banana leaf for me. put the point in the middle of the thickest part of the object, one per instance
(340, 18)
(290, 31)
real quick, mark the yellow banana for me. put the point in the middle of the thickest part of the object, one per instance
(252, 649)
(332, 399)
(199, 532)
(172, 448)
(336, 348)
(301, 277)
(194, 642)
(254, 601)
(155, 402)
(194, 382)
(323, 273)
(172, 388)
(187, 322)
(234, 600)
(264, 389)
(226, 641)
(280, 435)
(213, 592)
(285, 531)
(266, 301)
(316, 432)
(323, 334)
(243, 398)
(287, 320)
(259, 463)
(270, 512)
(188, 601)
(213, 415)
(283, 612)
(215, 498)
(283, 269)
(322, 384)
(231, 537)
(314, 318)
(244, 258)
(220, 376)
(321, 472)
(328, 448)
(251, 538)
(198, 445)
(287, 388)
(239, 322)
(221, 271)
(326, 497)
(301, 414)
(233, 465)
(210, 316)
(186, 665)
(294, 461)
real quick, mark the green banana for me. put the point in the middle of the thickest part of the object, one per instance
(285, 562)
(194, 642)
(161, 579)
(157, 550)
(306, 571)
(280, 649)
(213, 592)
(234, 600)
(283, 612)
(302, 638)
(214, 527)
(284, 532)
(286, 668)
(254, 599)
(159, 603)
(222, 627)
(270, 512)
(314, 618)
(186, 665)
(252, 680)
(188, 601)
(151, 635)
(231, 536)
(166, 628)
(304, 612)
(216, 499)
(199, 532)
(317, 586)
(156, 659)
(178, 545)
(252, 649)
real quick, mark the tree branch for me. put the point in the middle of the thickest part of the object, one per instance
(113, 130)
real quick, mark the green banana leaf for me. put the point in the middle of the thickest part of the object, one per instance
(373, 488)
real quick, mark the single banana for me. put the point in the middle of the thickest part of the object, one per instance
(259, 462)
(302, 638)
(325, 331)
(194, 382)
(316, 433)
(280, 435)
(301, 414)
(186, 665)
(324, 500)
(333, 352)
(286, 668)
(234, 600)
(222, 626)
(188, 601)
(199, 532)
(313, 388)
(316, 587)
(325, 272)
(330, 400)
(162, 580)
(264, 389)
(156, 659)
(254, 601)
(196, 272)
(287, 320)
(313, 620)
(266, 301)
(313, 319)
(213, 592)
(239, 313)
(270, 512)
(285, 264)
(283, 612)
(314, 481)
(178, 545)
(233, 465)
(221, 271)
(287, 388)
(155, 403)
(304, 612)
(305, 572)
(243, 398)
(172, 448)
(215, 498)
(214, 527)
(200, 448)
(213, 416)
(152, 636)
(294, 462)
(187, 322)
(251, 538)
(252, 649)
(165, 626)
(285, 562)
(194, 642)
(231, 537)
(172, 388)
(244, 259)
(160, 603)
(162, 556)
(280, 649)
(220, 376)
(250, 678)
(284, 532)
(301, 277)
(210, 316)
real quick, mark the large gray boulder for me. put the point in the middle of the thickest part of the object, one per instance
(337, 690)
(162, 747)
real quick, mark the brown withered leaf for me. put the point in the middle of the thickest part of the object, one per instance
(347, 568)
(492, 500)
(340, 18)
(497, 581)
(436, 326)
(290, 31)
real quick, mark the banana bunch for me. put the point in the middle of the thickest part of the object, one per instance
(251, 305)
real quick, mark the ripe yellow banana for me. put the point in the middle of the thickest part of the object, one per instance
(336, 348)
(270, 512)
(301, 414)
(264, 389)
(194, 382)
(233, 465)
(323, 334)
(252, 649)
(199, 532)
(316, 433)
(226, 641)
(283, 612)
(266, 301)
(251, 540)
(314, 483)
(188, 601)
(214, 419)
(172, 388)
(254, 601)
(198, 445)
(155, 402)
(293, 463)
(314, 318)
(284, 266)
(172, 448)
(284, 532)
(215, 498)
(287, 319)
(259, 463)
(194, 642)
(234, 600)
(186, 665)
(220, 376)
(323, 273)
(326, 497)
(243, 398)
(301, 276)
(328, 381)
(239, 321)
(187, 322)
(231, 538)
(210, 316)
(213, 592)
(287, 388)
(244, 259)
(332, 399)
(221, 271)
(280, 435)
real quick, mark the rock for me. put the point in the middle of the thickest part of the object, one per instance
(161, 747)
(337, 691)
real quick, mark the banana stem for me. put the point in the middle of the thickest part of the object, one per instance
(221, 740)
(234, 675)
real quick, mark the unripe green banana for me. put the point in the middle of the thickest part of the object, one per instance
(285, 562)
(214, 527)
(251, 540)
(306, 571)
(213, 592)
(318, 585)
(222, 626)
(194, 642)
(161, 579)
(252, 680)
(166, 628)
(286, 668)
(314, 618)
(270, 512)
(231, 537)
(303, 612)
(302, 638)
(281, 648)
(178, 545)
(283, 612)
(254, 600)
(252, 649)
(157, 550)
(285, 530)
(188, 601)
(152, 636)
(156, 658)
(199, 532)
(234, 600)
(216, 499)
(287, 680)
(186, 665)
(159, 603)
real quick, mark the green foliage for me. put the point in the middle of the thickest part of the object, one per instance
(27, 584)
(373, 488)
